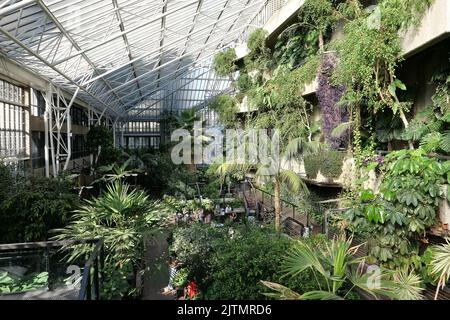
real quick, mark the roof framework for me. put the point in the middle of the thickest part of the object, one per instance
(129, 58)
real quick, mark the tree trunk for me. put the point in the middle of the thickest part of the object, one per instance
(406, 125)
(321, 41)
(277, 200)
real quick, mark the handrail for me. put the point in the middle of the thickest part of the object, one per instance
(97, 261)
(42, 244)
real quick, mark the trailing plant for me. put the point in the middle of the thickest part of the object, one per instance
(369, 53)
(396, 219)
(260, 56)
(226, 107)
(431, 126)
(244, 82)
(224, 63)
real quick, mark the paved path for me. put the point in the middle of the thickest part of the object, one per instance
(157, 276)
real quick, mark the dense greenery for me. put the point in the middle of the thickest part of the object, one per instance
(100, 143)
(125, 219)
(396, 219)
(328, 162)
(229, 262)
(31, 206)
(224, 63)
(337, 272)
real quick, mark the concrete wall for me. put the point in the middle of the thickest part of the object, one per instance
(434, 27)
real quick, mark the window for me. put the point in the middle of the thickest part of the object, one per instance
(37, 104)
(13, 117)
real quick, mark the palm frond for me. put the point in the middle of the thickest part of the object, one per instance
(341, 129)
(293, 182)
(280, 292)
(441, 264)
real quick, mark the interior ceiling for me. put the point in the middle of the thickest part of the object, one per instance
(128, 55)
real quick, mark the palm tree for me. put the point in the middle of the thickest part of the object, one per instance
(124, 218)
(186, 120)
(335, 267)
(297, 138)
(440, 265)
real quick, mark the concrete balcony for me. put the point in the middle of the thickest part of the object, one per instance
(276, 22)
(435, 26)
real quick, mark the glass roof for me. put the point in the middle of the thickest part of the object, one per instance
(130, 57)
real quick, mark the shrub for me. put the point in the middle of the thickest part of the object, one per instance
(123, 218)
(31, 206)
(223, 62)
(328, 162)
(240, 262)
(331, 164)
(193, 246)
(312, 165)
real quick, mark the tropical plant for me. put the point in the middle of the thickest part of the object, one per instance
(100, 143)
(194, 136)
(124, 218)
(9, 284)
(226, 108)
(398, 217)
(440, 265)
(31, 206)
(240, 261)
(335, 264)
(192, 246)
(259, 57)
(224, 63)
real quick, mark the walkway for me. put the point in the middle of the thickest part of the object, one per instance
(156, 277)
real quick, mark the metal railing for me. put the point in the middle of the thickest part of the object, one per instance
(261, 18)
(92, 269)
(284, 203)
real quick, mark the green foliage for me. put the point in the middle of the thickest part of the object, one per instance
(226, 108)
(224, 63)
(440, 264)
(369, 54)
(244, 82)
(431, 126)
(397, 218)
(334, 266)
(312, 166)
(181, 278)
(229, 262)
(193, 246)
(260, 56)
(124, 218)
(328, 162)
(10, 284)
(239, 262)
(31, 206)
(100, 143)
